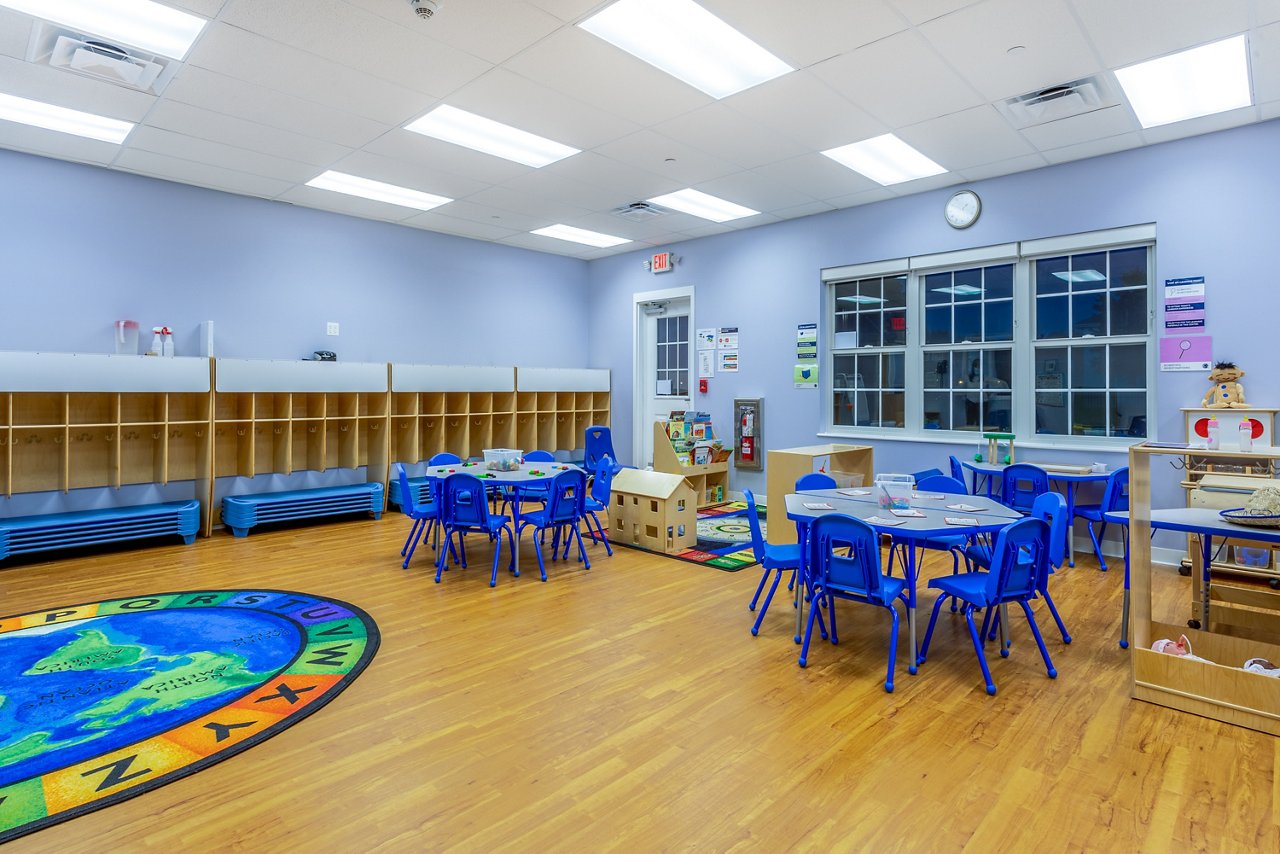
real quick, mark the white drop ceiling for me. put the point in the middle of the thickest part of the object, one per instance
(274, 93)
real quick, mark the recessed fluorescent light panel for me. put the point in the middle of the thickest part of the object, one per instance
(352, 185)
(861, 299)
(144, 24)
(959, 290)
(693, 202)
(1081, 276)
(885, 159)
(688, 42)
(47, 116)
(476, 132)
(580, 235)
(1197, 82)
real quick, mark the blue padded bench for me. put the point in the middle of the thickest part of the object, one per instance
(421, 490)
(242, 512)
(49, 531)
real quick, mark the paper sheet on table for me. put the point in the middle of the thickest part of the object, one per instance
(963, 508)
(960, 520)
(880, 520)
(817, 505)
(854, 491)
(909, 511)
(932, 496)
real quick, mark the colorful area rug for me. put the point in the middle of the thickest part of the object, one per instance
(724, 538)
(103, 701)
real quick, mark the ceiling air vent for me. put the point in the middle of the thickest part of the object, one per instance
(639, 211)
(93, 57)
(1056, 102)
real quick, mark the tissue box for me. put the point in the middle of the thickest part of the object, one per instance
(502, 459)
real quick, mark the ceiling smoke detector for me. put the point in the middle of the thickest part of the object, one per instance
(424, 9)
(639, 211)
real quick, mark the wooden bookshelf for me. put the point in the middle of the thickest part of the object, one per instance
(710, 482)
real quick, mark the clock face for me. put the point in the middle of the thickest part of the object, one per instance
(962, 209)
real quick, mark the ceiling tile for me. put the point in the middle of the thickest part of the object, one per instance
(864, 197)
(589, 69)
(707, 229)
(919, 11)
(432, 221)
(493, 30)
(1270, 110)
(755, 191)
(920, 185)
(203, 8)
(200, 150)
(556, 246)
(1005, 167)
(663, 156)
(219, 93)
(495, 217)
(802, 107)
(412, 175)
(733, 136)
(807, 209)
(303, 75)
(567, 10)
(65, 89)
(1099, 124)
(1268, 11)
(898, 80)
(1125, 33)
(821, 30)
(648, 229)
(62, 146)
(445, 157)
(199, 174)
(976, 39)
(519, 102)
(251, 136)
(344, 204)
(626, 181)
(1265, 66)
(547, 211)
(1204, 124)
(588, 196)
(816, 176)
(15, 32)
(1094, 148)
(350, 36)
(967, 138)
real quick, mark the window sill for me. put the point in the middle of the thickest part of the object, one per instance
(1118, 447)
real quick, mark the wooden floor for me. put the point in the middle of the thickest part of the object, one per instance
(629, 708)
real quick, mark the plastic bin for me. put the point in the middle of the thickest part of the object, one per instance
(502, 459)
(893, 491)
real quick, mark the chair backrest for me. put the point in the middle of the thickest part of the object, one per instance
(856, 568)
(1052, 508)
(444, 459)
(1116, 496)
(1020, 484)
(942, 483)
(925, 474)
(815, 480)
(753, 522)
(566, 497)
(539, 457)
(408, 501)
(471, 511)
(602, 483)
(597, 443)
(957, 470)
(1019, 560)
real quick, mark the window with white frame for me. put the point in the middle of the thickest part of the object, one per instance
(672, 357)
(1049, 337)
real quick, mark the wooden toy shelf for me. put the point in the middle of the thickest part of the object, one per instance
(1219, 690)
(848, 464)
(73, 421)
(710, 482)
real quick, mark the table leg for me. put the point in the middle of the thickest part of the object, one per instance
(1207, 554)
(1071, 523)
(801, 575)
(515, 516)
(1004, 622)
(909, 569)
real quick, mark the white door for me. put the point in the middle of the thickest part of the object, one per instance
(664, 373)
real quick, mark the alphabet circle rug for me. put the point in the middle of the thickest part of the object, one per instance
(102, 701)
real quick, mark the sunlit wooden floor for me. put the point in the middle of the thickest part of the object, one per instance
(629, 708)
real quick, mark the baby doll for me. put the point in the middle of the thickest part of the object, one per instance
(1181, 647)
(1226, 393)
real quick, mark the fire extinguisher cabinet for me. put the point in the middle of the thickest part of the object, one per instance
(748, 422)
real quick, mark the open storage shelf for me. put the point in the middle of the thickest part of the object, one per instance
(710, 482)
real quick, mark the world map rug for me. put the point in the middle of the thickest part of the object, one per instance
(102, 701)
(724, 537)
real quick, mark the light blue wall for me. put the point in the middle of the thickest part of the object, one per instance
(82, 247)
(1212, 197)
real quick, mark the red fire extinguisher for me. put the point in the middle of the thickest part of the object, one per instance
(748, 436)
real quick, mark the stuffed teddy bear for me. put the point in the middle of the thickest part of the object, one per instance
(1226, 393)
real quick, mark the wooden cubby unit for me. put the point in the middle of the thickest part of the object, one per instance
(459, 410)
(280, 417)
(82, 421)
(557, 405)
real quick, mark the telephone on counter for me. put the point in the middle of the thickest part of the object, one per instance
(324, 356)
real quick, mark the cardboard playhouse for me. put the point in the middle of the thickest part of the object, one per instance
(653, 510)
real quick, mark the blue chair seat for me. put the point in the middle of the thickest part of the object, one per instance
(970, 586)
(891, 588)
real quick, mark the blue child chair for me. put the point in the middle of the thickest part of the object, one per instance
(464, 509)
(597, 444)
(1020, 483)
(775, 559)
(852, 573)
(561, 514)
(423, 514)
(598, 500)
(1115, 499)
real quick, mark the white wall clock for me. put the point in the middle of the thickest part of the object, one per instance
(962, 209)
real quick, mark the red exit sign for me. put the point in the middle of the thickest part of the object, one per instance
(660, 263)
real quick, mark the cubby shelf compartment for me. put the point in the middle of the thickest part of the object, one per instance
(456, 409)
(86, 420)
(48, 532)
(280, 417)
(242, 512)
(557, 405)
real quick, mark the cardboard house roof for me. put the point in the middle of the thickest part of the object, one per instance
(650, 484)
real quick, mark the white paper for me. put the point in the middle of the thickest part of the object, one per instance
(706, 363)
(664, 387)
(854, 491)
(963, 508)
(818, 505)
(727, 339)
(879, 520)
(728, 361)
(960, 520)
(910, 512)
(706, 339)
